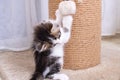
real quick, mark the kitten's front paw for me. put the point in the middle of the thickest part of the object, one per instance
(60, 77)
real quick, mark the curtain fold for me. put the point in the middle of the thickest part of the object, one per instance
(44, 9)
(17, 18)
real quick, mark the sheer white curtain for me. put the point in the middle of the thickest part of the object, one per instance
(17, 18)
(42, 9)
(110, 17)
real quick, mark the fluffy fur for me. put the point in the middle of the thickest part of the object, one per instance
(67, 7)
(48, 50)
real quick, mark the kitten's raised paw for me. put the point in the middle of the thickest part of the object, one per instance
(60, 77)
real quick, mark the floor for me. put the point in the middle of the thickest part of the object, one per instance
(19, 65)
(112, 41)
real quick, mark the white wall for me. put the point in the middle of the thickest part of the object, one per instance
(118, 16)
(110, 17)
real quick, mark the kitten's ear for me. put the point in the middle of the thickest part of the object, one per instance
(48, 26)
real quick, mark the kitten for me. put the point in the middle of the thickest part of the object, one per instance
(48, 51)
(48, 47)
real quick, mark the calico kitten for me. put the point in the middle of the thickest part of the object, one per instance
(48, 52)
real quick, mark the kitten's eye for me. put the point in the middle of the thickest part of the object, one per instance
(55, 38)
(59, 34)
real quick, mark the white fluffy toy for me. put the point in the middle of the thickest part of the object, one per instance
(67, 8)
(64, 17)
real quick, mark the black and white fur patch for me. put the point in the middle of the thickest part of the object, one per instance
(48, 60)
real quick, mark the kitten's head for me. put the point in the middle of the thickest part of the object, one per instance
(47, 29)
(44, 35)
(53, 28)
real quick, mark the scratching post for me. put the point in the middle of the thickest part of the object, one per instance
(83, 49)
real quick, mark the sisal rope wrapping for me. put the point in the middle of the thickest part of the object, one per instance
(83, 49)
